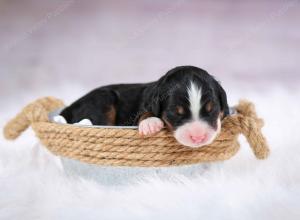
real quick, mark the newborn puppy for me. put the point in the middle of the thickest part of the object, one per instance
(186, 100)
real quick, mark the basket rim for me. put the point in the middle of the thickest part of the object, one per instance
(116, 150)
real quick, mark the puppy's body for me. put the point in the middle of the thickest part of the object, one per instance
(187, 100)
(108, 105)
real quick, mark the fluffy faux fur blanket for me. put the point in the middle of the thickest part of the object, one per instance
(34, 185)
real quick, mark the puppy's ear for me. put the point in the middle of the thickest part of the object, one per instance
(222, 99)
(155, 94)
(152, 101)
(150, 105)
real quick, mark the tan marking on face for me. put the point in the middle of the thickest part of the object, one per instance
(111, 115)
(180, 110)
(209, 106)
(221, 115)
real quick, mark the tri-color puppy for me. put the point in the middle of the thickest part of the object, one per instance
(186, 100)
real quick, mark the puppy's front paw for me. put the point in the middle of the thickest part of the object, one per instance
(150, 126)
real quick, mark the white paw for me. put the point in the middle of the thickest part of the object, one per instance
(150, 126)
(84, 122)
(59, 119)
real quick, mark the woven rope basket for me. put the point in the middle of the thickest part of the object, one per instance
(124, 147)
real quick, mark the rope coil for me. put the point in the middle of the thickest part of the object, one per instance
(124, 147)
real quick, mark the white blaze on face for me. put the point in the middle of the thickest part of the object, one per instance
(197, 132)
(195, 94)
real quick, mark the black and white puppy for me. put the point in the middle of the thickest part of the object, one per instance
(186, 100)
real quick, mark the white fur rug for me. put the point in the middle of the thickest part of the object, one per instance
(33, 184)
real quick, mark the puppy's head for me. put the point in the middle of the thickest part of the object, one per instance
(192, 105)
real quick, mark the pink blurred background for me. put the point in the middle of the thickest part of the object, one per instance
(65, 48)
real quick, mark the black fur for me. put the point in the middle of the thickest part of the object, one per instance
(159, 98)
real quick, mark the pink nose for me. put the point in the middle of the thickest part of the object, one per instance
(198, 139)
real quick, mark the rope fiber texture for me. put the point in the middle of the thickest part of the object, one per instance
(124, 147)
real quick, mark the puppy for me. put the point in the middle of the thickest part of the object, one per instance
(186, 100)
